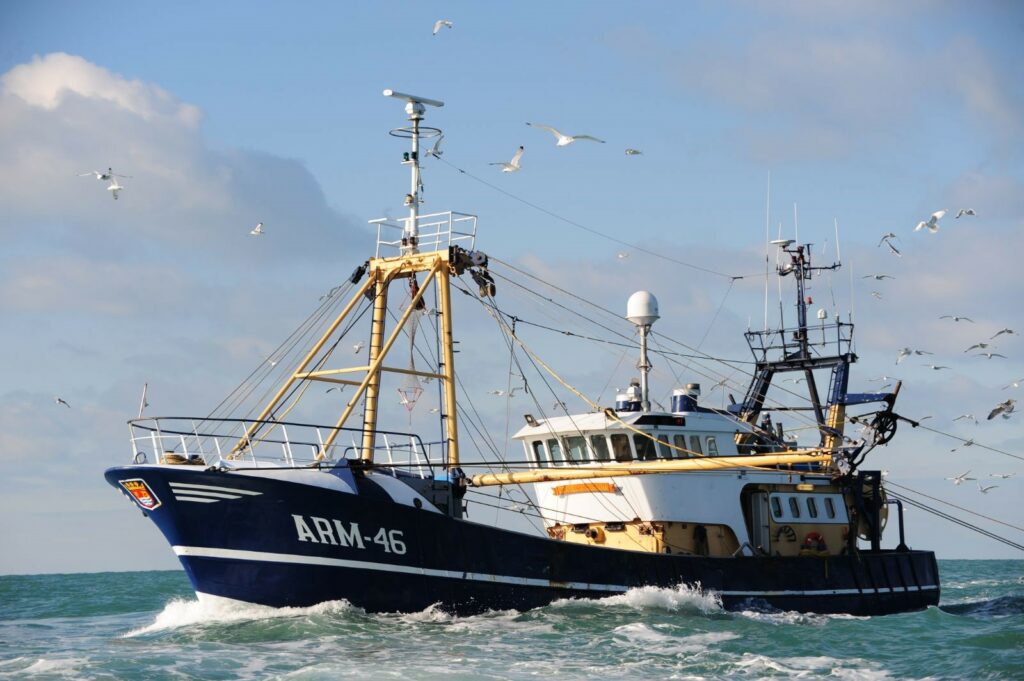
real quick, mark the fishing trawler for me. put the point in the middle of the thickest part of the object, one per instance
(272, 509)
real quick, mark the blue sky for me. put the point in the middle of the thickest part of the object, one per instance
(873, 114)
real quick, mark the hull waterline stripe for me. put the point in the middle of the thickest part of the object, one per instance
(205, 552)
(204, 500)
(234, 490)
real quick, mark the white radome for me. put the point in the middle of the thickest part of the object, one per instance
(642, 308)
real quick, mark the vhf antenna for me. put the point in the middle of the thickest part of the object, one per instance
(415, 107)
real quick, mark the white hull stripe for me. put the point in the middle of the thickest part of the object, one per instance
(188, 487)
(202, 500)
(201, 493)
(206, 552)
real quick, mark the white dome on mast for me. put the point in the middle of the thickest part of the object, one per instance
(642, 308)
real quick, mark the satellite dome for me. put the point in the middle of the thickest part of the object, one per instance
(642, 308)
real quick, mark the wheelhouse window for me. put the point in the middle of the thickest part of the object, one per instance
(830, 508)
(600, 445)
(538, 452)
(695, 445)
(576, 449)
(712, 446)
(776, 507)
(555, 447)
(812, 507)
(794, 507)
(680, 442)
(644, 448)
(620, 446)
(664, 451)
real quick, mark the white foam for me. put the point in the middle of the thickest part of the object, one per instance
(797, 618)
(68, 667)
(682, 597)
(208, 609)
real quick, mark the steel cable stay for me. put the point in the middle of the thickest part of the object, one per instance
(958, 521)
(959, 508)
(591, 230)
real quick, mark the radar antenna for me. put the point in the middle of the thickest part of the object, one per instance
(416, 107)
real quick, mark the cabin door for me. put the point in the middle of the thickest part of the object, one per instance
(760, 528)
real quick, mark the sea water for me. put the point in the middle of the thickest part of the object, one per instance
(149, 625)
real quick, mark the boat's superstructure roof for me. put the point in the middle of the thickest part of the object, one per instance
(704, 420)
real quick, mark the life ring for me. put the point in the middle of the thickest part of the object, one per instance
(814, 545)
(785, 533)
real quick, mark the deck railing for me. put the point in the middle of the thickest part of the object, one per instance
(435, 232)
(221, 442)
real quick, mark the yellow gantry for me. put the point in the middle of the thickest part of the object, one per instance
(381, 273)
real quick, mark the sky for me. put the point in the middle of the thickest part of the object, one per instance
(785, 118)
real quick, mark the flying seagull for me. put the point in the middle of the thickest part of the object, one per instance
(1013, 384)
(963, 477)
(436, 150)
(442, 23)
(100, 175)
(977, 346)
(1005, 408)
(358, 346)
(895, 251)
(513, 165)
(634, 152)
(907, 352)
(877, 295)
(935, 367)
(966, 444)
(984, 490)
(965, 211)
(114, 188)
(932, 225)
(885, 238)
(622, 256)
(257, 230)
(563, 139)
(61, 400)
(989, 355)
(1003, 476)
(339, 388)
(956, 318)
(878, 277)
(1008, 332)
(969, 417)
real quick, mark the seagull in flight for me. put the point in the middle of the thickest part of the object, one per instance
(513, 165)
(358, 346)
(114, 188)
(257, 230)
(1003, 476)
(885, 238)
(932, 224)
(61, 400)
(985, 489)
(1008, 332)
(435, 151)
(968, 417)
(907, 352)
(989, 355)
(935, 367)
(1013, 384)
(563, 139)
(895, 251)
(441, 23)
(878, 277)
(339, 388)
(877, 295)
(965, 445)
(960, 479)
(965, 211)
(104, 176)
(883, 378)
(957, 318)
(634, 152)
(1005, 408)
(622, 256)
(977, 346)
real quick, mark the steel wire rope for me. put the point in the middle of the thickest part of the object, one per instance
(890, 483)
(591, 230)
(959, 521)
(232, 397)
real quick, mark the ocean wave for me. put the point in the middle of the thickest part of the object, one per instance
(21, 667)
(1002, 606)
(182, 612)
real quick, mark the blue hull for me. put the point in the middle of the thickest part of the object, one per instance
(280, 543)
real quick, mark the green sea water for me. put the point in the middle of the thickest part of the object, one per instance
(149, 625)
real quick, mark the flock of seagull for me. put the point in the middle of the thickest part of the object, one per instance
(561, 140)
(107, 176)
(984, 348)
